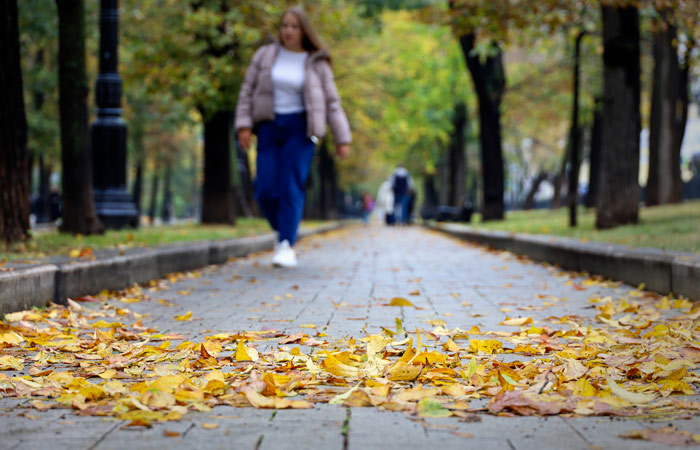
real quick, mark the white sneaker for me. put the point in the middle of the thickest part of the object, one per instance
(284, 255)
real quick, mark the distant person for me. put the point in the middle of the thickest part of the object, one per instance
(411, 206)
(367, 206)
(385, 202)
(55, 205)
(287, 97)
(402, 184)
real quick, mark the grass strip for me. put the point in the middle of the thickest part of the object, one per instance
(668, 227)
(51, 242)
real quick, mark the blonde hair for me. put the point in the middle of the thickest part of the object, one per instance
(310, 40)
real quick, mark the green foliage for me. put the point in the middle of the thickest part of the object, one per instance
(38, 26)
(397, 64)
(399, 87)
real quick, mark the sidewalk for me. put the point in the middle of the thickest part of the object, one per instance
(342, 289)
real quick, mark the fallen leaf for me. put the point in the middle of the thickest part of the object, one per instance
(665, 436)
(184, 317)
(400, 301)
(518, 322)
(429, 407)
(631, 397)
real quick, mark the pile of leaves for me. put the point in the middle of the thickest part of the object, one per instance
(637, 358)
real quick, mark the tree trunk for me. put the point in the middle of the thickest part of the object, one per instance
(328, 182)
(559, 177)
(43, 205)
(489, 80)
(457, 165)
(530, 198)
(575, 161)
(79, 216)
(681, 121)
(138, 186)
(662, 129)
(167, 206)
(430, 202)
(14, 171)
(217, 195)
(443, 174)
(595, 155)
(153, 200)
(618, 197)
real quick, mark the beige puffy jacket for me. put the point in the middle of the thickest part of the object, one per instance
(256, 101)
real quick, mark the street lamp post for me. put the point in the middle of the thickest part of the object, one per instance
(113, 203)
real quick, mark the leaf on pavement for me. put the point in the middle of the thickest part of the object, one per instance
(631, 397)
(665, 436)
(429, 407)
(184, 317)
(400, 301)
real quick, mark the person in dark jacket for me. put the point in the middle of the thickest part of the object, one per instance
(402, 185)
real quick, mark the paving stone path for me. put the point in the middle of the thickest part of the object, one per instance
(340, 285)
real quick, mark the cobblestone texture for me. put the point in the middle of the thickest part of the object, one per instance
(341, 284)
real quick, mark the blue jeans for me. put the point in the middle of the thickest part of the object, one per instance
(401, 209)
(284, 159)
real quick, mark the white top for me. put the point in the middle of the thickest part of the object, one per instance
(288, 76)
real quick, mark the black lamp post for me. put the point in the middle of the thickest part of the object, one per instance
(113, 203)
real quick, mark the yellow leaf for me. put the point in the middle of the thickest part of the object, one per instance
(184, 317)
(488, 346)
(210, 426)
(631, 397)
(430, 358)
(584, 388)
(103, 324)
(108, 374)
(664, 303)
(340, 398)
(416, 393)
(404, 372)
(520, 321)
(245, 353)
(400, 301)
(337, 368)
(8, 362)
(454, 390)
(11, 338)
(308, 325)
(451, 346)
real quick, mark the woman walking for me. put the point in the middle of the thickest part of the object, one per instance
(286, 99)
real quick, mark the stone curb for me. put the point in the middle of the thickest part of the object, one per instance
(661, 271)
(22, 287)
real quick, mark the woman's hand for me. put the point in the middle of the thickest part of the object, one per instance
(342, 150)
(244, 138)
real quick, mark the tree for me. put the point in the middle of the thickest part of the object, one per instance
(663, 133)
(675, 34)
(457, 157)
(38, 33)
(79, 214)
(489, 79)
(618, 194)
(14, 176)
(576, 141)
(594, 155)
